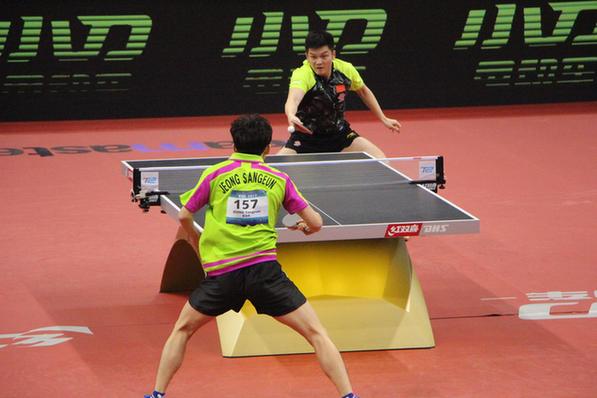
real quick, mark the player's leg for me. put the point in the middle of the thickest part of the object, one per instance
(301, 143)
(305, 321)
(286, 151)
(288, 148)
(173, 353)
(361, 144)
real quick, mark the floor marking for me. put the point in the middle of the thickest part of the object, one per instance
(497, 298)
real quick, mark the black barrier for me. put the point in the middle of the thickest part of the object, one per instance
(154, 58)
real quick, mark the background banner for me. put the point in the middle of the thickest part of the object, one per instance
(117, 59)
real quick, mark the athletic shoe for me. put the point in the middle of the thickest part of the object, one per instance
(155, 394)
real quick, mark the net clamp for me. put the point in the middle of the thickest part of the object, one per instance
(147, 198)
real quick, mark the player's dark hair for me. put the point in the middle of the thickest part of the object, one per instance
(251, 133)
(318, 39)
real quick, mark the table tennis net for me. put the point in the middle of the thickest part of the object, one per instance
(361, 173)
(352, 174)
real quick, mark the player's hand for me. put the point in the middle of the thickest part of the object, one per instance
(392, 124)
(301, 226)
(298, 125)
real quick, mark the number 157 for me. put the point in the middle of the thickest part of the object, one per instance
(245, 204)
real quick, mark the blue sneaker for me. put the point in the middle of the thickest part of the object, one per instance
(155, 394)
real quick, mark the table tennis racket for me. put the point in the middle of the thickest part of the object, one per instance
(292, 128)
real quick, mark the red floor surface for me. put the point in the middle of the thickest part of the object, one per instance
(76, 252)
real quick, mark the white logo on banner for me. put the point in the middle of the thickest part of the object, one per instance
(427, 169)
(35, 337)
(553, 300)
(150, 181)
(427, 172)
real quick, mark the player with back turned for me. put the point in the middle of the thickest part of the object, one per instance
(238, 252)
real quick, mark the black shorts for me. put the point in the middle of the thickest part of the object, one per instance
(265, 285)
(313, 143)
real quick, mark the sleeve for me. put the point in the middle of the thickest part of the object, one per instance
(355, 77)
(293, 199)
(351, 72)
(302, 79)
(197, 197)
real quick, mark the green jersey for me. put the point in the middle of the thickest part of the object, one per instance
(243, 195)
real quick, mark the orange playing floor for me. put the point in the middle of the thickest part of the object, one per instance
(75, 252)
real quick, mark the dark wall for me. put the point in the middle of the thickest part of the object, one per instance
(125, 58)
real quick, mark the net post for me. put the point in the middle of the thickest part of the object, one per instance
(439, 172)
(136, 181)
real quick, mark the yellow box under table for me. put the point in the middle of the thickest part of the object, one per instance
(365, 292)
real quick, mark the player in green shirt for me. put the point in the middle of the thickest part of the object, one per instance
(316, 103)
(238, 252)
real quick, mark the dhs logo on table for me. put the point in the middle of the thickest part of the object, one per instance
(396, 230)
(435, 229)
(415, 229)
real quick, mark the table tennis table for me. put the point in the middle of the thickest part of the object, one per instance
(360, 280)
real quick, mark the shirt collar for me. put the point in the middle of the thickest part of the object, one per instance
(246, 156)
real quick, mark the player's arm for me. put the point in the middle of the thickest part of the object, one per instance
(370, 101)
(295, 96)
(311, 221)
(185, 217)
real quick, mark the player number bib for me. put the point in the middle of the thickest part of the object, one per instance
(247, 208)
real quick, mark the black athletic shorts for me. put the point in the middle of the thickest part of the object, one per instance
(313, 143)
(265, 285)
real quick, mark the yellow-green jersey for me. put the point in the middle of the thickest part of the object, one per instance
(243, 196)
(322, 108)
